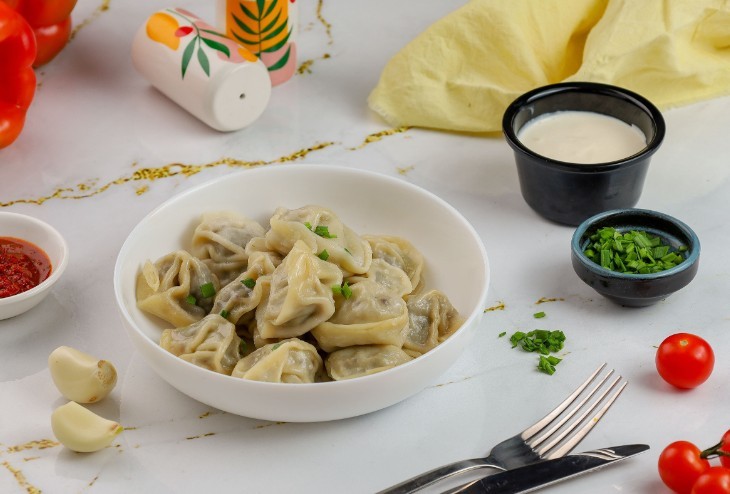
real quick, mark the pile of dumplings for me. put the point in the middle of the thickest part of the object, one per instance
(307, 301)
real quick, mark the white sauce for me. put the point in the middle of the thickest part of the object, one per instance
(581, 137)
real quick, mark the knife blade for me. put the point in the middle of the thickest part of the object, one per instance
(548, 472)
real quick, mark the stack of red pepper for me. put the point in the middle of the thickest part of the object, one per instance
(32, 32)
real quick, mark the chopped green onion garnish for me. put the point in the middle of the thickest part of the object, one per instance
(207, 289)
(324, 231)
(225, 314)
(191, 300)
(348, 251)
(343, 290)
(633, 252)
(242, 347)
(321, 230)
(538, 315)
(324, 255)
(249, 282)
(275, 346)
(501, 334)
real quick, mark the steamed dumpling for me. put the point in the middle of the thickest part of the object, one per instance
(432, 319)
(364, 360)
(220, 241)
(240, 297)
(289, 361)
(400, 253)
(388, 278)
(176, 288)
(298, 295)
(321, 230)
(210, 343)
(369, 316)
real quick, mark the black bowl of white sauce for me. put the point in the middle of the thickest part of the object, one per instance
(582, 148)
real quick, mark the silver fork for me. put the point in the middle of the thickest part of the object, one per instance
(552, 436)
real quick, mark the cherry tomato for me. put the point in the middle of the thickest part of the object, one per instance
(725, 448)
(680, 465)
(685, 360)
(721, 450)
(716, 480)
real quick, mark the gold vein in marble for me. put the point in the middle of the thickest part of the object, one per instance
(500, 306)
(378, 136)
(263, 426)
(545, 300)
(94, 15)
(327, 25)
(21, 480)
(40, 444)
(89, 188)
(306, 66)
(201, 435)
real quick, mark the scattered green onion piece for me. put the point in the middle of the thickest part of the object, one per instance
(337, 289)
(191, 300)
(277, 345)
(324, 255)
(348, 251)
(501, 334)
(225, 314)
(249, 282)
(308, 225)
(207, 290)
(547, 364)
(538, 315)
(242, 347)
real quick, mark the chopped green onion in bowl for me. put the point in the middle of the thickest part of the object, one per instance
(632, 252)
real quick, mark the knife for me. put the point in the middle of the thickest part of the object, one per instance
(548, 472)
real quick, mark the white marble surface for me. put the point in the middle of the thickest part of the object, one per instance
(95, 125)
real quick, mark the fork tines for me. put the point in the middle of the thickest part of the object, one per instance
(557, 433)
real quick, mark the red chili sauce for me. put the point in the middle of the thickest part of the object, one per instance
(23, 265)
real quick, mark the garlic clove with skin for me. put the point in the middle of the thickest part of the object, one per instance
(82, 430)
(79, 376)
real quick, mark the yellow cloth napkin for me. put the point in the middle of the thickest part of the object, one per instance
(463, 71)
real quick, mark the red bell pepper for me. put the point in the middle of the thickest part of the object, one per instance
(51, 23)
(17, 79)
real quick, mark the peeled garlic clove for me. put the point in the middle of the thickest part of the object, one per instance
(79, 376)
(82, 430)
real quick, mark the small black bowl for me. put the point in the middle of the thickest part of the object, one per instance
(636, 290)
(568, 193)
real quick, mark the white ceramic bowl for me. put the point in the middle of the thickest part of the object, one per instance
(456, 264)
(53, 244)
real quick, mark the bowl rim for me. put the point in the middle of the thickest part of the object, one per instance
(584, 87)
(469, 320)
(576, 240)
(56, 271)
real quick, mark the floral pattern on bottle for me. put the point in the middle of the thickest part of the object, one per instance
(266, 28)
(176, 27)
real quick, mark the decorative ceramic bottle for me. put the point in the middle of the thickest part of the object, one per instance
(214, 78)
(268, 28)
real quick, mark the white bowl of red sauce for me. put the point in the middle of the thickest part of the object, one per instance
(33, 256)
